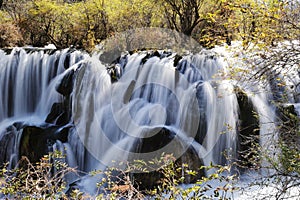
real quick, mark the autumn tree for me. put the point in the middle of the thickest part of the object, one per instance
(256, 22)
(206, 21)
(183, 16)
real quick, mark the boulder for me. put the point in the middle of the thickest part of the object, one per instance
(150, 180)
(37, 141)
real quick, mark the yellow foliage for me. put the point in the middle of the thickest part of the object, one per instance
(85, 23)
(129, 14)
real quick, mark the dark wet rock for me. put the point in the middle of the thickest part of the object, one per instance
(59, 114)
(148, 180)
(177, 58)
(188, 161)
(202, 102)
(161, 137)
(145, 181)
(150, 55)
(56, 110)
(67, 61)
(248, 137)
(63, 119)
(113, 73)
(192, 161)
(156, 53)
(65, 87)
(7, 50)
(18, 125)
(38, 141)
(166, 54)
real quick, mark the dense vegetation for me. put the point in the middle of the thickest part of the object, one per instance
(85, 23)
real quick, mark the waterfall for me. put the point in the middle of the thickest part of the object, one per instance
(25, 79)
(27, 86)
(116, 120)
(144, 104)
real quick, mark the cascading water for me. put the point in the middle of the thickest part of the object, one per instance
(145, 104)
(27, 85)
(26, 79)
(150, 96)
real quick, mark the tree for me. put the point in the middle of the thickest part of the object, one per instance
(182, 15)
(207, 21)
(218, 25)
(256, 22)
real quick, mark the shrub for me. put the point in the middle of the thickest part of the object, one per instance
(46, 180)
(43, 180)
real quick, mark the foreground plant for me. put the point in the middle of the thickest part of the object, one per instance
(47, 180)
(43, 180)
